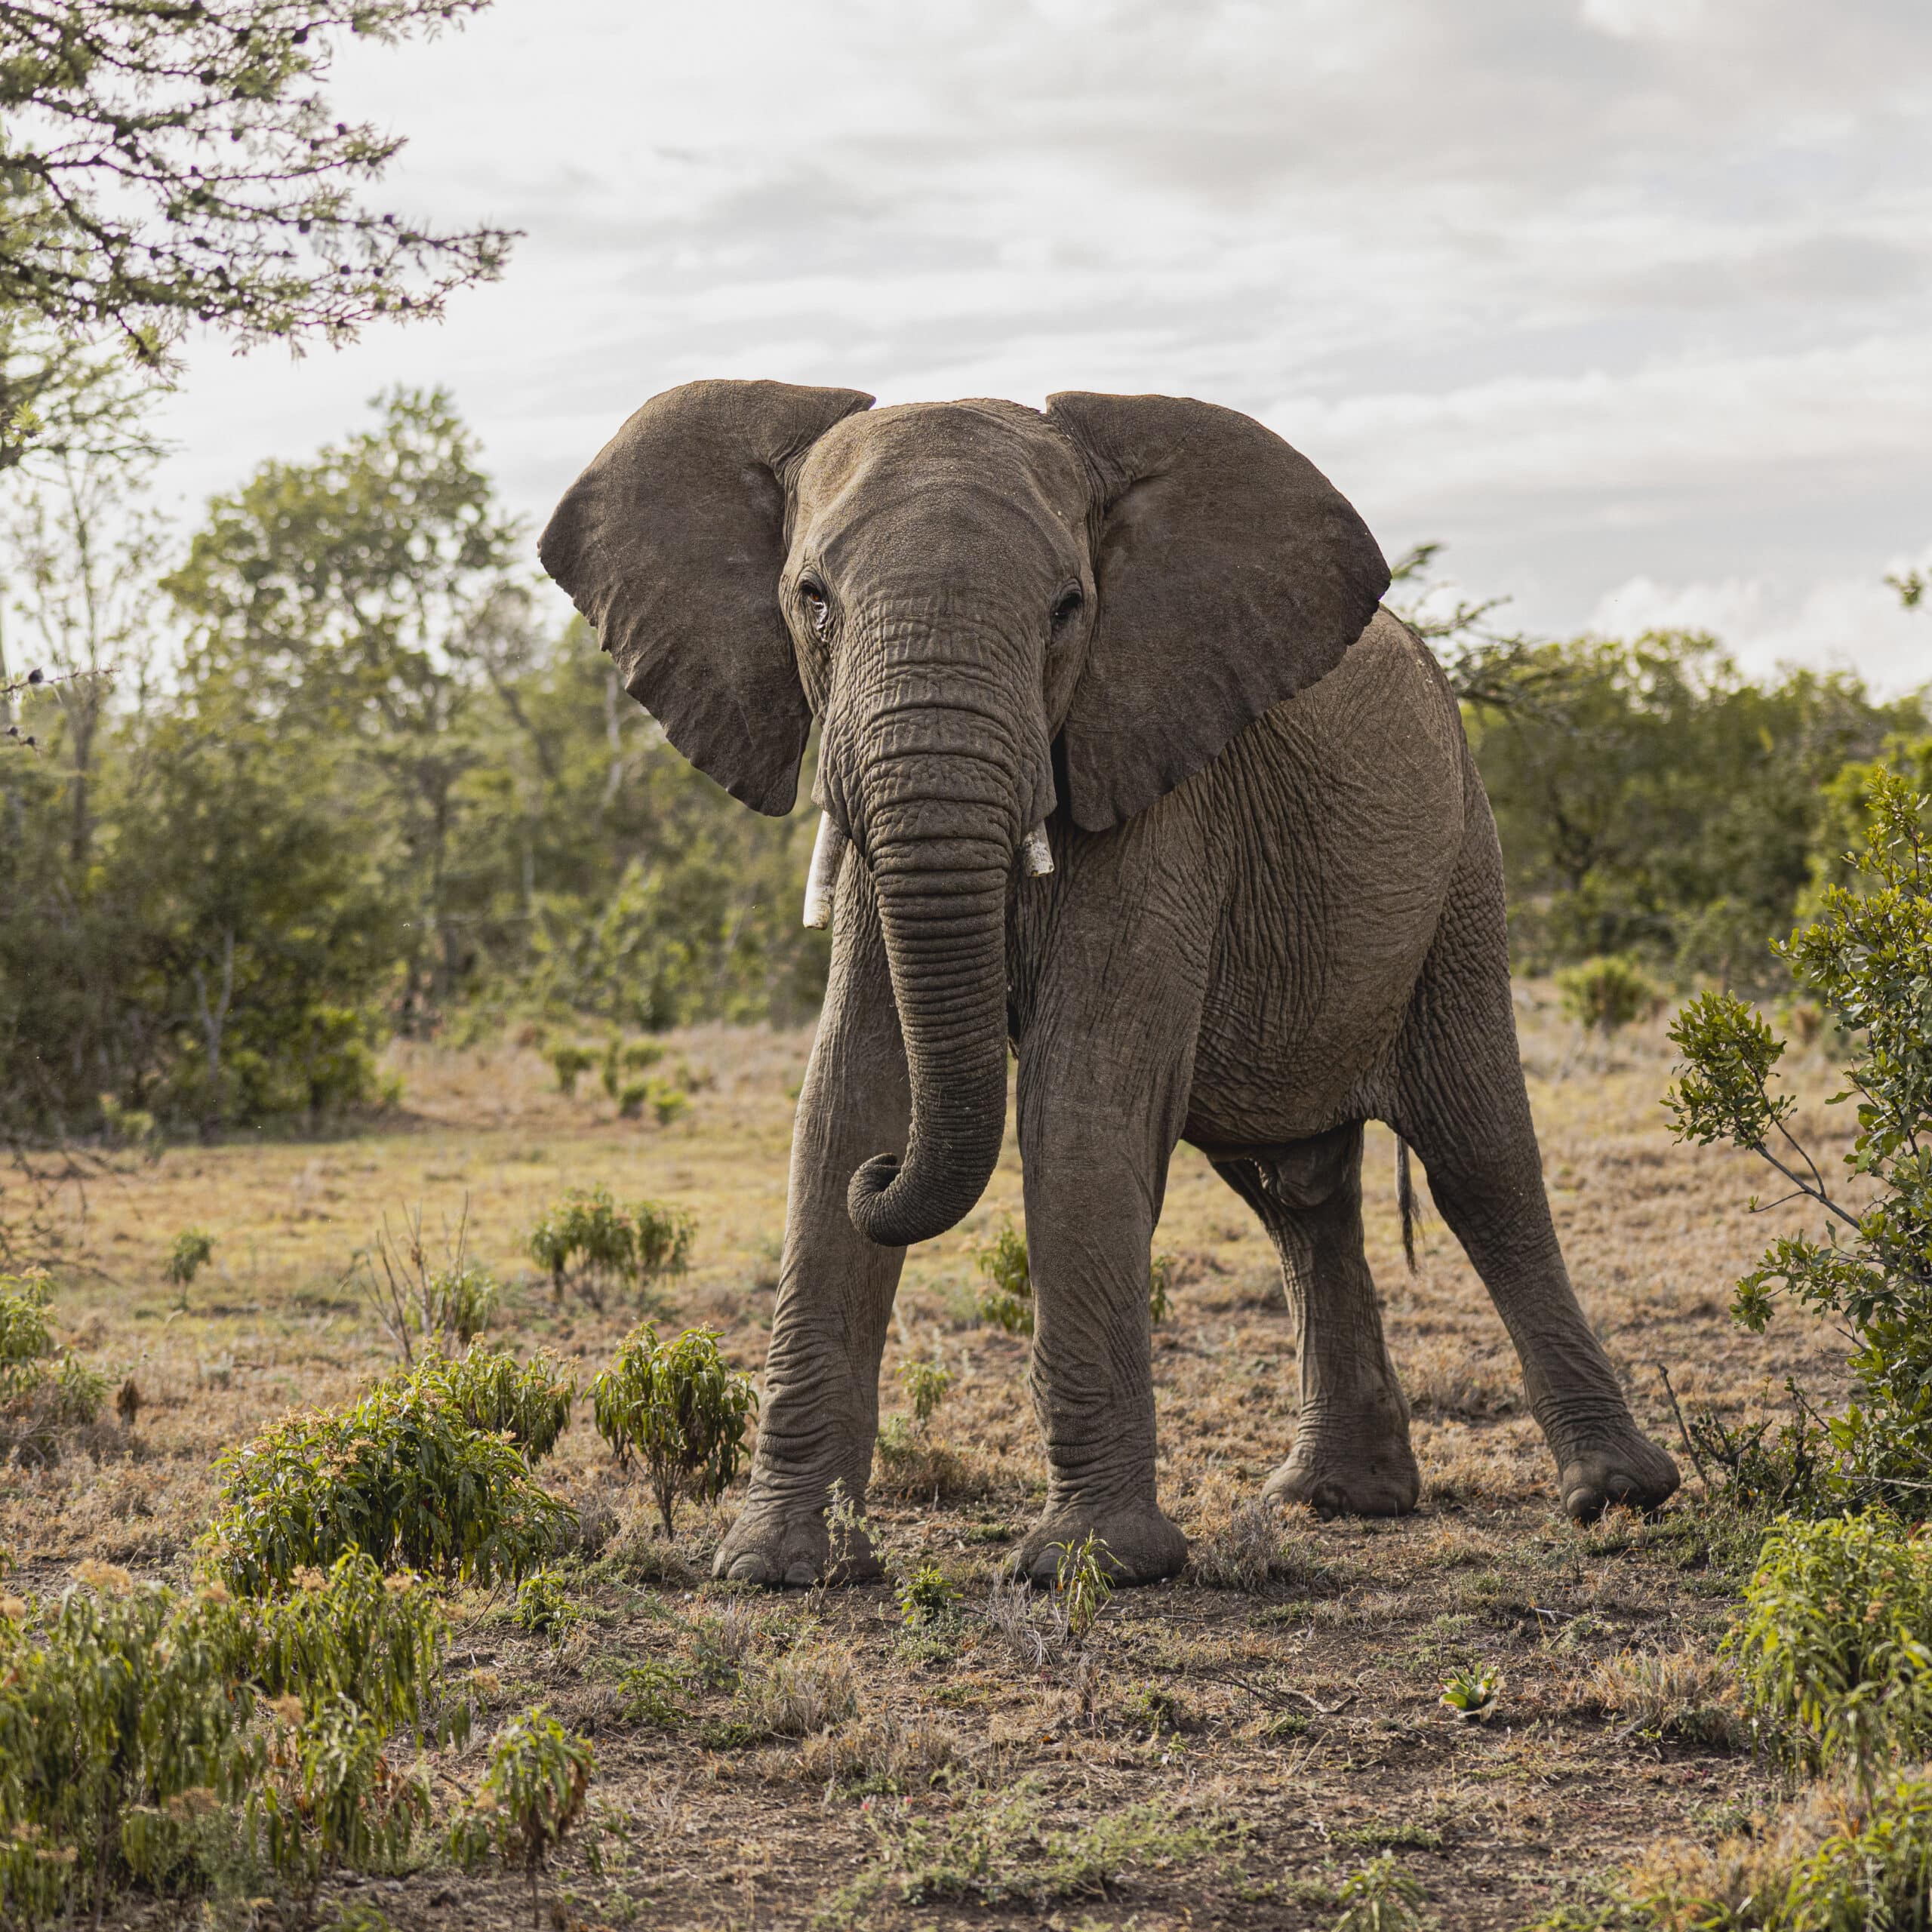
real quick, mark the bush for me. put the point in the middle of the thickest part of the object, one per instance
(45, 1390)
(1007, 1302)
(1867, 960)
(1604, 995)
(1835, 1644)
(587, 1233)
(681, 1409)
(420, 1305)
(545, 1608)
(1379, 1897)
(927, 1596)
(531, 1795)
(193, 1249)
(148, 1738)
(401, 1475)
(570, 1063)
(1837, 1860)
(925, 1383)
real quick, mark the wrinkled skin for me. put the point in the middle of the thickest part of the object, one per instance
(1276, 910)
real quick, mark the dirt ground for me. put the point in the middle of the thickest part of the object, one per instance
(1211, 1754)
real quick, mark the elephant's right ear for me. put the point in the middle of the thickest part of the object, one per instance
(671, 544)
(1230, 575)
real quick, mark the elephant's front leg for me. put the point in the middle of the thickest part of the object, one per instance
(1102, 1103)
(820, 1410)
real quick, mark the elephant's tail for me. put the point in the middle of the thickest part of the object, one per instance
(1405, 1201)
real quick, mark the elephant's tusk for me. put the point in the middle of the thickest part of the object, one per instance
(1036, 855)
(822, 881)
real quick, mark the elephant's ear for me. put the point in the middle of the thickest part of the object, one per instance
(1231, 574)
(671, 544)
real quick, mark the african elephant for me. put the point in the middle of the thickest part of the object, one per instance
(1120, 764)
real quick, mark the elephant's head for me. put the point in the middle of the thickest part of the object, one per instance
(951, 588)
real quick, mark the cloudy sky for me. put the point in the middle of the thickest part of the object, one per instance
(1624, 301)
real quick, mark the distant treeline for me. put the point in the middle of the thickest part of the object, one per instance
(342, 782)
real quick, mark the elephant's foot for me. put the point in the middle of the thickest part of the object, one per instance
(1345, 1475)
(1143, 1546)
(783, 1542)
(1608, 1467)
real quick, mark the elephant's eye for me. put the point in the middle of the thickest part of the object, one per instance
(1067, 608)
(818, 611)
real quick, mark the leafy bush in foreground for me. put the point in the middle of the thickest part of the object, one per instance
(403, 1475)
(1867, 960)
(152, 1739)
(1837, 1860)
(681, 1408)
(1604, 995)
(1835, 1641)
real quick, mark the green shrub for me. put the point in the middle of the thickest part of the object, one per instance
(401, 1474)
(1835, 1644)
(927, 1596)
(491, 1390)
(1007, 1301)
(193, 1249)
(587, 1234)
(1837, 1859)
(1160, 1288)
(631, 1099)
(530, 1796)
(667, 1102)
(681, 1409)
(1083, 1582)
(1379, 1897)
(151, 1739)
(544, 1606)
(1866, 959)
(422, 1305)
(925, 1383)
(43, 1390)
(1604, 995)
(570, 1063)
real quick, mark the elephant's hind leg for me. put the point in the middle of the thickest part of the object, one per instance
(1351, 1454)
(1460, 1104)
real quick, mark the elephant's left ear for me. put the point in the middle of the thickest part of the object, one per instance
(1231, 574)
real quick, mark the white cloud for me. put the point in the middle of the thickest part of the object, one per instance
(1632, 290)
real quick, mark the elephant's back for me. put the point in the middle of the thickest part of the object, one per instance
(1338, 816)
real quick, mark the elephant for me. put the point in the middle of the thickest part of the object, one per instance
(1124, 769)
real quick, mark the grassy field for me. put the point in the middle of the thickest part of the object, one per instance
(1224, 1749)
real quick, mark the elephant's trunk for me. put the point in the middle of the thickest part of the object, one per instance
(941, 854)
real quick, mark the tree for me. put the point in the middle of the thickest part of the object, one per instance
(167, 162)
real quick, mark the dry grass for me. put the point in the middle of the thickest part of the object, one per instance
(1292, 1678)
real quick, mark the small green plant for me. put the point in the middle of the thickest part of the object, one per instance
(668, 1103)
(530, 1797)
(1160, 1288)
(681, 1409)
(926, 1595)
(44, 1389)
(1007, 1301)
(1835, 1644)
(402, 1475)
(1083, 1583)
(632, 1098)
(193, 1250)
(124, 1126)
(652, 1694)
(1379, 1897)
(587, 1234)
(544, 1606)
(925, 1383)
(571, 1063)
(1604, 995)
(1866, 959)
(1473, 1691)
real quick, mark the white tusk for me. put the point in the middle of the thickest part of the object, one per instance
(822, 881)
(1036, 855)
